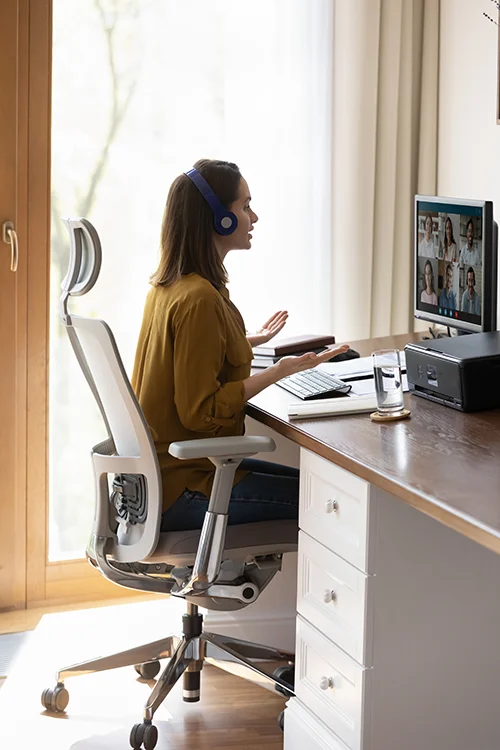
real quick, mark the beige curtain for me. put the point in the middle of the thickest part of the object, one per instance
(386, 62)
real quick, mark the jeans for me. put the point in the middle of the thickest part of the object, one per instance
(270, 492)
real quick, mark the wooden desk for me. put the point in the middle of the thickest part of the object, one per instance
(441, 461)
(398, 615)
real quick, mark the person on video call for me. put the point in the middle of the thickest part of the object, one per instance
(429, 293)
(470, 255)
(450, 252)
(426, 247)
(447, 298)
(471, 302)
(192, 366)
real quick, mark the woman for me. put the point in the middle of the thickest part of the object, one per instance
(449, 245)
(428, 294)
(192, 366)
(426, 247)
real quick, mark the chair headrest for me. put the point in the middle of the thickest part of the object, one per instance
(84, 260)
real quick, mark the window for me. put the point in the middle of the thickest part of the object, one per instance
(141, 90)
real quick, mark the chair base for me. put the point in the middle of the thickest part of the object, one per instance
(187, 654)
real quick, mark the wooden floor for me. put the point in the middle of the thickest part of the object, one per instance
(232, 714)
(15, 621)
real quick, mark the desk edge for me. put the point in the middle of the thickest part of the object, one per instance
(465, 525)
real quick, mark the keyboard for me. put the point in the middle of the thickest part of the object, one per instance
(313, 383)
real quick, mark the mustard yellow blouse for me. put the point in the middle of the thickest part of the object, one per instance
(192, 356)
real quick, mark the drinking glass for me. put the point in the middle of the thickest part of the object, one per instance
(388, 381)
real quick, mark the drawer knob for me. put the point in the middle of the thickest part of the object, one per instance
(326, 682)
(329, 596)
(331, 506)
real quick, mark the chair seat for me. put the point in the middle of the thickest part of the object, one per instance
(242, 540)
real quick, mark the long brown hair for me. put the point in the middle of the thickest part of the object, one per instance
(428, 263)
(187, 230)
(446, 246)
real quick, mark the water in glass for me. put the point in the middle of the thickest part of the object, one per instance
(388, 382)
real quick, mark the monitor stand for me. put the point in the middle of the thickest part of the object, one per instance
(441, 335)
(437, 334)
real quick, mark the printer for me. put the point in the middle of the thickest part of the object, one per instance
(460, 371)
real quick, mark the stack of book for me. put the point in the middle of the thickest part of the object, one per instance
(267, 354)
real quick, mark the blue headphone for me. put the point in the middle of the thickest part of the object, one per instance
(225, 222)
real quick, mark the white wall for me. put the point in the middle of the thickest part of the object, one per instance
(469, 137)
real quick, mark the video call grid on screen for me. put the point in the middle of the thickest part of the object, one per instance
(449, 262)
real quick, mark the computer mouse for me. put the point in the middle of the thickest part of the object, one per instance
(349, 354)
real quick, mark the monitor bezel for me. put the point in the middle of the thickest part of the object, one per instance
(488, 297)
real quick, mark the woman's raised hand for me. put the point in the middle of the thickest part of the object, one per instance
(290, 365)
(270, 328)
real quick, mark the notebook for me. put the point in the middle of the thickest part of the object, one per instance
(332, 406)
(361, 399)
(293, 345)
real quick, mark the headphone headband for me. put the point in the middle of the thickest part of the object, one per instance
(225, 222)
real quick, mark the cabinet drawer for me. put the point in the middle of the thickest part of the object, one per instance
(334, 509)
(332, 685)
(336, 598)
(304, 732)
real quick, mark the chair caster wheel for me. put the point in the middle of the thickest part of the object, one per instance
(55, 699)
(281, 720)
(148, 670)
(287, 674)
(144, 734)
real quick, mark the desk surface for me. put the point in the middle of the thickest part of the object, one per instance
(441, 461)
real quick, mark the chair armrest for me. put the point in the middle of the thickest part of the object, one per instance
(223, 447)
(226, 453)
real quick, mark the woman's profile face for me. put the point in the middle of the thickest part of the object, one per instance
(428, 227)
(448, 229)
(241, 238)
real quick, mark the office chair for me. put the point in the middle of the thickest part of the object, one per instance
(219, 567)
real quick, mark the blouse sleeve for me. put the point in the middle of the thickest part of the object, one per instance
(202, 402)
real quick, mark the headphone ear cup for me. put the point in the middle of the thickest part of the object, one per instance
(225, 223)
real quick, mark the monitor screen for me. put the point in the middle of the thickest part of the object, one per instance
(455, 262)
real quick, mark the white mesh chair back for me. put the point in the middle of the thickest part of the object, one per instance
(132, 530)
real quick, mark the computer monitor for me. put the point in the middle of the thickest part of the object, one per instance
(455, 263)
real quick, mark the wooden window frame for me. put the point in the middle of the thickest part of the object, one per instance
(72, 580)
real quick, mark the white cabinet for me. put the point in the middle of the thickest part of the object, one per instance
(336, 597)
(335, 509)
(398, 625)
(304, 732)
(331, 684)
(333, 675)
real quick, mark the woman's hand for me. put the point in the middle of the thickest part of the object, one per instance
(270, 328)
(290, 365)
(287, 366)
